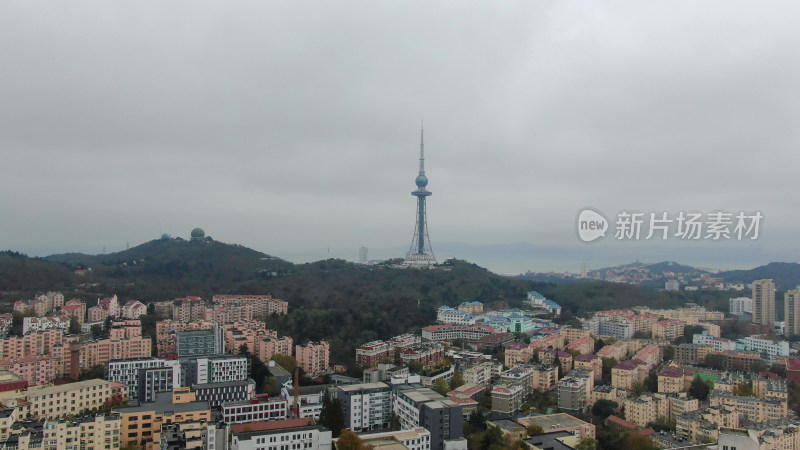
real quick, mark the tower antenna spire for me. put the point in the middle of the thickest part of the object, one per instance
(421, 147)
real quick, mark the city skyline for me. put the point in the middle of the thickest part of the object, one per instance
(290, 133)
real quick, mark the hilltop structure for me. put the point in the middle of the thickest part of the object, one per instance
(421, 254)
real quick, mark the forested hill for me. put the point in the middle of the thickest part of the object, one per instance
(346, 303)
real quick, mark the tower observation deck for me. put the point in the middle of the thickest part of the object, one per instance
(420, 254)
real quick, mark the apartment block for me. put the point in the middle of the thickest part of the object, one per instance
(668, 329)
(692, 353)
(35, 370)
(269, 346)
(262, 306)
(644, 409)
(591, 363)
(565, 363)
(473, 308)
(791, 308)
(617, 350)
(366, 406)
(422, 407)
(280, 434)
(34, 324)
(214, 369)
(87, 432)
(583, 346)
(626, 373)
(544, 376)
(448, 315)
(507, 398)
(166, 334)
(478, 373)
(718, 344)
(521, 376)
(313, 357)
(71, 399)
(427, 353)
(764, 303)
(752, 408)
(225, 392)
(572, 393)
(32, 344)
(671, 380)
(126, 371)
(141, 424)
(260, 407)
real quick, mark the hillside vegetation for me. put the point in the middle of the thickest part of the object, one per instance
(346, 303)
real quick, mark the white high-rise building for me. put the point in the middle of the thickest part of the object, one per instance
(362, 255)
(740, 305)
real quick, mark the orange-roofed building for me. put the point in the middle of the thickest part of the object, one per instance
(584, 345)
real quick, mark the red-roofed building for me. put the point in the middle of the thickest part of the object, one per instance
(584, 345)
(254, 435)
(565, 362)
(133, 309)
(670, 380)
(793, 370)
(620, 422)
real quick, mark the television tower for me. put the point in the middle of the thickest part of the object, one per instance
(420, 254)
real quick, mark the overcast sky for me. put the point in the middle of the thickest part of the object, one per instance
(293, 127)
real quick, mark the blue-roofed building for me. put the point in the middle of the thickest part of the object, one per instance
(452, 316)
(474, 307)
(538, 300)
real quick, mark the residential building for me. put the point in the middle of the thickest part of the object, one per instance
(427, 353)
(764, 303)
(87, 432)
(565, 363)
(214, 369)
(313, 357)
(572, 393)
(740, 305)
(422, 407)
(583, 346)
(126, 371)
(414, 439)
(717, 343)
(522, 376)
(644, 409)
(668, 329)
(478, 373)
(141, 424)
(752, 408)
(193, 343)
(269, 346)
(671, 380)
(448, 315)
(225, 392)
(263, 306)
(473, 308)
(507, 398)
(791, 307)
(280, 434)
(552, 423)
(34, 324)
(259, 407)
(69, 399)
(544, 376)
(590, 362)
(692, 353)
(366, 406)
(765, 346)
(625, 374)
(133, 309)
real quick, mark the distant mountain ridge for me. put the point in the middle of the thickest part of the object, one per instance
(785, 274)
